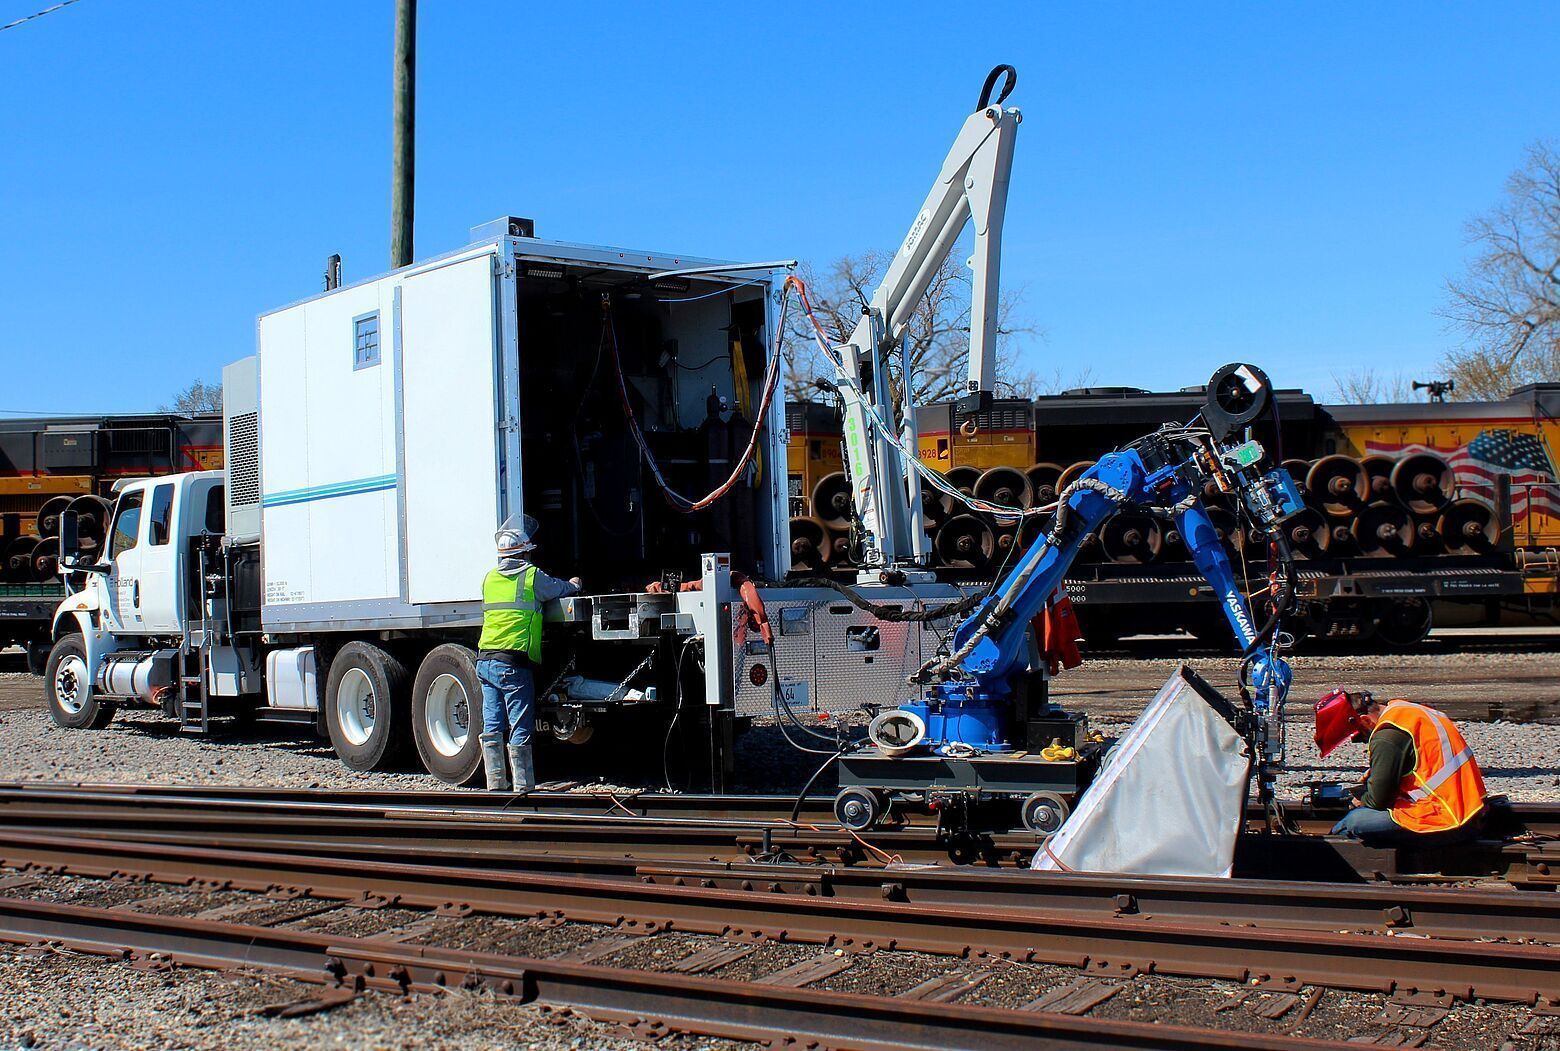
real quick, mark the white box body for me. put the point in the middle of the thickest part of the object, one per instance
(384, 475)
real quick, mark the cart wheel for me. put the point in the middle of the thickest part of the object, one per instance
(1044, 812)
(858, 809)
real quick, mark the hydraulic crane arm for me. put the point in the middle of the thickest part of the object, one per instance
(973, 184)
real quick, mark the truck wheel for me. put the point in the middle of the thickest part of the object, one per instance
(447, 714)
(367, 709)
(71, 703)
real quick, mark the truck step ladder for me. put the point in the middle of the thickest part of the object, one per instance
(194, 706)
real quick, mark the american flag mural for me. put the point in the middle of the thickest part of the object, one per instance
(1490, 454)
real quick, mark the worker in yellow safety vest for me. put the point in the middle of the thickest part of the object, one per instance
(1423, 788)
(509, 652)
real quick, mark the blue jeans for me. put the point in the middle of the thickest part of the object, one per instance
(508, 701)
(1375, 828)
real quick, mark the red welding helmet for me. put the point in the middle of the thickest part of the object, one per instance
(1337, 720)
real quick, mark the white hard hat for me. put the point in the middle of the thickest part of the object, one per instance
(516, 535)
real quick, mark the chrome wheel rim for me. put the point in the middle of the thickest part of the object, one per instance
(356, 703)
(447, 715)
(70, 685)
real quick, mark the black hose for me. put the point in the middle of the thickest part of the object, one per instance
(1278, 432)
(892, 613)
(796, 808)
(784, 710)
(666, 745)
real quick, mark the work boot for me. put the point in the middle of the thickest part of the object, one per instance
(524, 767)
(493, 762)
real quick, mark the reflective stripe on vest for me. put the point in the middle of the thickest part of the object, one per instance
(511, 616)
(529, 605)
(1445, 789)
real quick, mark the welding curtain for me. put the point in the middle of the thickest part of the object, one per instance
(1168, 799)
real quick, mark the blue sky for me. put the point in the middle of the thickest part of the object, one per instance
(1193, 184)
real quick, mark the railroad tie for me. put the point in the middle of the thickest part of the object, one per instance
(318, 1003)
(156, 902)
(600, 948)
(1394, 1038)
(1077, 998)
(807, 971)
(232, 911)
(1540, 1025)
(946, 988)
(1420, 1016)
(713, 957)
(1274, 1006)
(415, 929)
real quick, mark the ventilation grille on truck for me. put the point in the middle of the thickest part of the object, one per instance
(244, 460)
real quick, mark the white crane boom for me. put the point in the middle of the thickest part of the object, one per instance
(973, 183)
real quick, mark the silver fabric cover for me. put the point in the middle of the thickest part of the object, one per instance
(1167, 801)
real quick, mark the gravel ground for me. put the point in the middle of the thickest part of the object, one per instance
(68, 1001)
(1519, 759)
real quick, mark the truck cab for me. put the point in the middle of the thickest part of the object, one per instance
(148, 550)
(120, 632)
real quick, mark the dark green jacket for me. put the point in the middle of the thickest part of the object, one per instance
(1391, 759)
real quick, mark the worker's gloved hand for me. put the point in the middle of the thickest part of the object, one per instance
(577, 582)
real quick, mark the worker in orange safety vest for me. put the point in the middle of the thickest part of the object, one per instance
(1423, 788)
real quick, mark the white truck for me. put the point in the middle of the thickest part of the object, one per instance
(330, 574)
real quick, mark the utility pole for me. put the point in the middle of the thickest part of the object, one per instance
(403, 166)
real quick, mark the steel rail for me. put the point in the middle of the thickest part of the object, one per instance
(737, 1010)
(1540, 818)
(1436, 912)
(1117, 944)
(485, 836)
(319, 826)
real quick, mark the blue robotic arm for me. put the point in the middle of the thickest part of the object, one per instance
(973, 686)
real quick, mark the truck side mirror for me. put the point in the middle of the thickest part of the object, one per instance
(70, 539)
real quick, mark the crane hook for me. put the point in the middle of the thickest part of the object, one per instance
(1011, 79)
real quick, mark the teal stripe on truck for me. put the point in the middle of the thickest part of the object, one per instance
(325, 492)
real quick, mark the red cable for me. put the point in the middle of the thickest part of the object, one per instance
(771, 381)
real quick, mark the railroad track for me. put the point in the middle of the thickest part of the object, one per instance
(653, 1003)
(1543, 818)
(468, 827)
(1430, 946)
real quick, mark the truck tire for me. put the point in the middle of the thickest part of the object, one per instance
(71, 701)
(447, 714)
(368, 715)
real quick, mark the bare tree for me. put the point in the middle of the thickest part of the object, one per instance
(1366, 386)
(1508, 303)
(1057, 381)
(198, 398)
(939, 331)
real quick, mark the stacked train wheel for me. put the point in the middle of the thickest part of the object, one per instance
(31, 556)
(1378, 507)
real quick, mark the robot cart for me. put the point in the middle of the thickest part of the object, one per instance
(974, 791)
